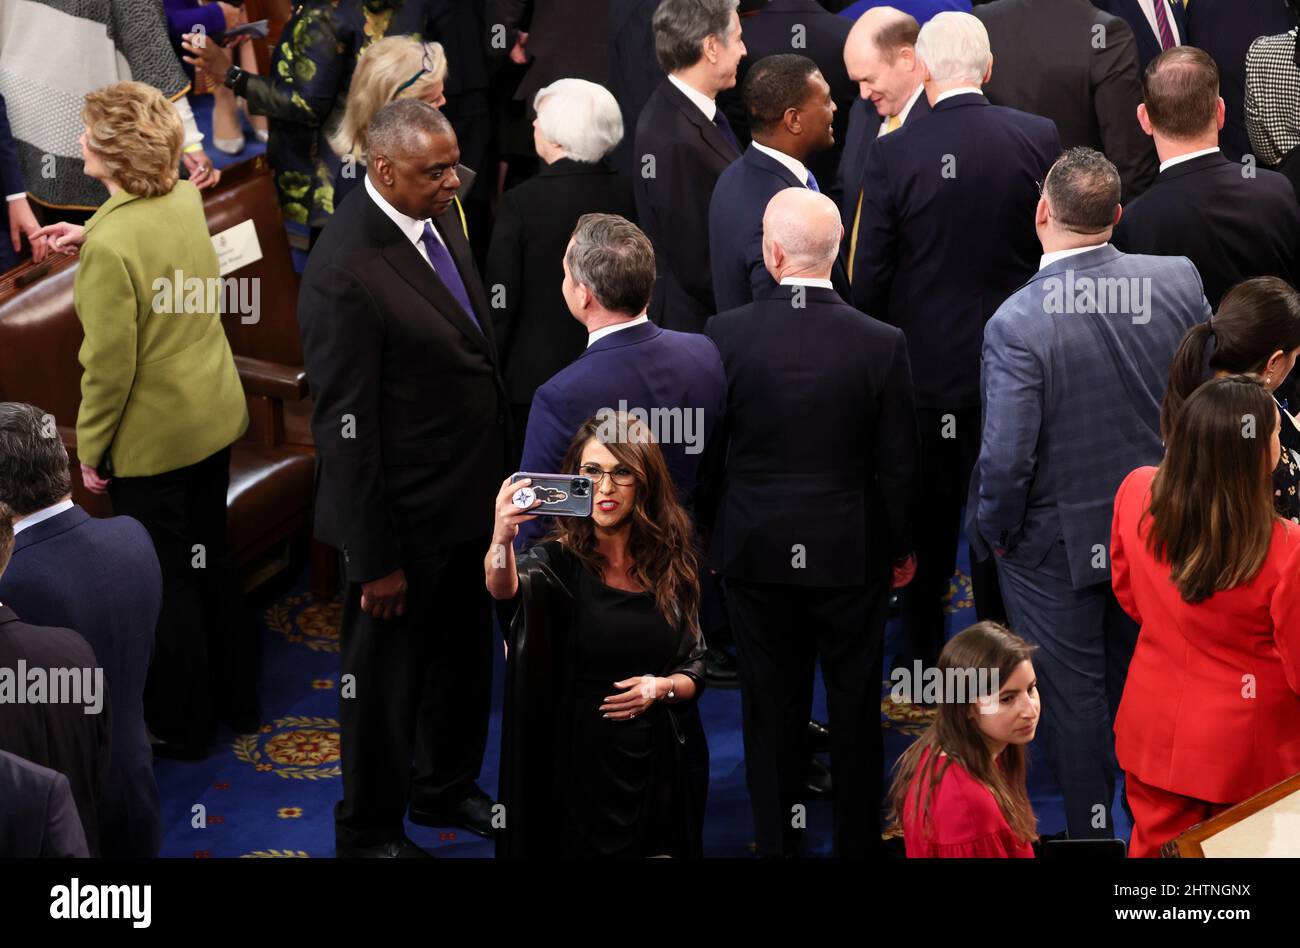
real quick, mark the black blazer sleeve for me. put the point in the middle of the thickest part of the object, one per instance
(684, 219)
(898, 447)
(343, 343)
(1117, 90)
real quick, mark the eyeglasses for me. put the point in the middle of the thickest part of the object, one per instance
(425, 66)
(620, 475)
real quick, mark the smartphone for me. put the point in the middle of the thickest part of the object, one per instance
(561, 495)
(257, 29)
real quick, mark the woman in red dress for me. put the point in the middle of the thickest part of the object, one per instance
(959, 791)
(1201, 560)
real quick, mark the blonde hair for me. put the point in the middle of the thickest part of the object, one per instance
(135, 132)
(384, 67)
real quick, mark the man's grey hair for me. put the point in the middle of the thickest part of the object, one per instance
(615, 260)
(581, 117)
(1083, 190)
(680, 27)
(955, 48)
(6, 537)
(398, 129)
(33, 462)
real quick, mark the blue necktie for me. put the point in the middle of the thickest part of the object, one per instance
(724, 127)
(812, 183)
(445, 267)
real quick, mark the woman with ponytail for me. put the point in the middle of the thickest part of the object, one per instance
(1255, 331)
(1202, 562)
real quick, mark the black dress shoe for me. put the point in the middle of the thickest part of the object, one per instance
(473, 813)
(401, 848)
(819, 738)
(720, 668)
(818, 785)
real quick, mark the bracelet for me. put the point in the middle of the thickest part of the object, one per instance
(672, 689)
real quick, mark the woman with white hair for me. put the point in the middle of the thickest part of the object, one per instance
(578, 124)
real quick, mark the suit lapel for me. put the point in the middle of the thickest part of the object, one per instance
(60, 523)
(772, 166)
(708, 131)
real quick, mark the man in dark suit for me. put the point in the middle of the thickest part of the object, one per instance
(100, 577)
(1234, 221)
(808, 486)
(881, 57)
(1157, 25)
(65, 727)
(565, 39)
(1225, 29)
(634, 70)
(1078, 66)
(629, 364)
(1072, 392)
(683, 142)
(790, 109)
(39, 819)
(941, 244)
(805, 28)
(410, 428)
(577, 125)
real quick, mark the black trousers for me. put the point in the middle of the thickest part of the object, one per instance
(780, 631)
(950, 445)
(415, 728)
(204, 665)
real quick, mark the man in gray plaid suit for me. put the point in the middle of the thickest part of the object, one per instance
(1073, 371)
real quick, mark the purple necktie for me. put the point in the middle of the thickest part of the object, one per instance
(1162, 21)
(724, 127)
(812, 183)
(445, 267)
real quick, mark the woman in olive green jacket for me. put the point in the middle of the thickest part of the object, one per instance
(161, 400)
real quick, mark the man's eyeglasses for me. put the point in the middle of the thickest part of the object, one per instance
(620, 475)
(425, 66)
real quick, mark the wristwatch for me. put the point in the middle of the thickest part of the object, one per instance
(236, 79)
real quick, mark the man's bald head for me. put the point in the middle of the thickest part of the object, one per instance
(884, 29)
(801, 234)
(880, 56)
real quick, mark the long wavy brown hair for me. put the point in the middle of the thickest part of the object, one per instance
(661, 541)
(985, 645)
(1211, 515)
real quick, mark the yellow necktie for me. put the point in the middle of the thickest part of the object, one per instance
(891, 125)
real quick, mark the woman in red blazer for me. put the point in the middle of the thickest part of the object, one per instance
(1200, 559)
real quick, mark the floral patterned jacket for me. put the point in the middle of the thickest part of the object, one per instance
(305, 94)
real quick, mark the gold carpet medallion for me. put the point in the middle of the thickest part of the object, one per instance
(301, 618)
(296, 748)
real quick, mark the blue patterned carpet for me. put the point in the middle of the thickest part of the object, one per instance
(271, 794)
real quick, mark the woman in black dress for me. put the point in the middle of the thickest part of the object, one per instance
(628, 725)
(1256, 331)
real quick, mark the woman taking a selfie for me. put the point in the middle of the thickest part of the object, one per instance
(959, 790)
(1202, 561)
(636, 658)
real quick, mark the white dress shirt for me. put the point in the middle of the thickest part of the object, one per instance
(702, 101)
(1055, 255)
(602, 333)
(794, 164)
(1187, 157)
(807, 281)
(960, 90)
(907, 110)
(409, 226)
(1149, 11)
(42, 515)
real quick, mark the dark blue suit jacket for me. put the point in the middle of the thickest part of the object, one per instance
(923, 10)
(947, 233)
(645, 367)
(736, 228)
(101, 578)
(11, 182)
(864, 128)
(1147, 39)
(39, 818)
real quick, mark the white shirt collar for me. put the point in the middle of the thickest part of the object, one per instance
(1055, 255)
(1149, 11)
(960, 90)
(1187, 157)
(807, 281)
(907, 109)
(42, 515)
(794, 164)
(702, 101)
(409, 226)
(602, 333)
